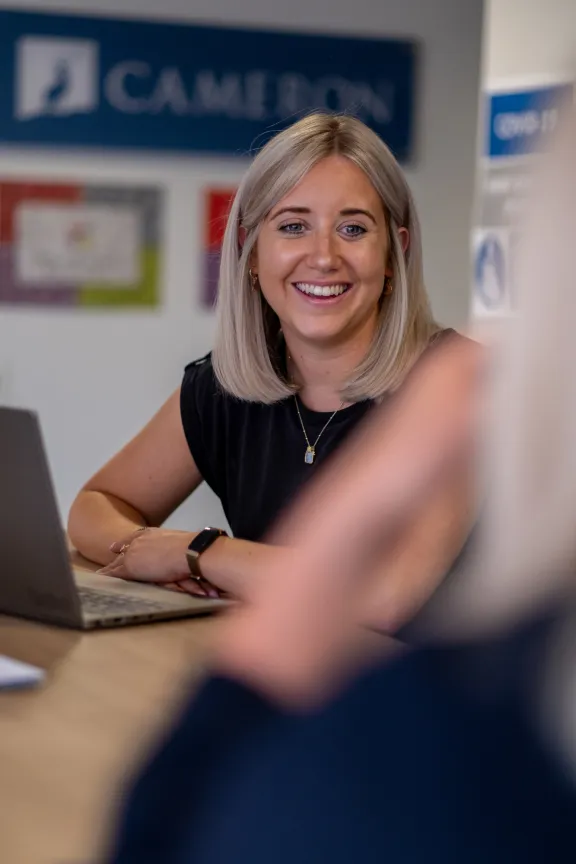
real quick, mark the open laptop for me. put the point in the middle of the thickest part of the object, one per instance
(36, 576)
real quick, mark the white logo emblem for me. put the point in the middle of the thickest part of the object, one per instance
(56, 77)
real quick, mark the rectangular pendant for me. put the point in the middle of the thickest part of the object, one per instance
(309, 456)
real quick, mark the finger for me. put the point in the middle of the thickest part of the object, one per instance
(105, 571)
(194, 590)
(117, 568)
(125, 541)
(186, 586)
(169, 586)
(199, 588)
(119, 572)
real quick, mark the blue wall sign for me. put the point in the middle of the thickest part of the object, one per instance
(99, 82)
(522, 122)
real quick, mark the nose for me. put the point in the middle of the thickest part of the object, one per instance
(323, 254)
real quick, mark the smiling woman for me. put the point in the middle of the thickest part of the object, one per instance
(322, 313)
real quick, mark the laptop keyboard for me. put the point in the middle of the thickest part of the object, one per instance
(102, 603)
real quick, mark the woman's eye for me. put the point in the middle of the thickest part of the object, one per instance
(353, 230)
(291, 228)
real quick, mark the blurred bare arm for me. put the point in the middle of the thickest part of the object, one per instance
(413, 567)
(299, 636)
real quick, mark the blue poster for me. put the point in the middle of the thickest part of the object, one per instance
(522, 122)
(100, 82)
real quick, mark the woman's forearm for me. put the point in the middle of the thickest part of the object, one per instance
(97, 520)
(238, 566)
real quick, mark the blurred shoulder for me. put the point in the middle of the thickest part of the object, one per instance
(448, 335)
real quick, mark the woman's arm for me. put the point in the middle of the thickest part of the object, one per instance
(232, 566)
(140, 487)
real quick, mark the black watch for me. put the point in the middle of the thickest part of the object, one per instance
(200, 544)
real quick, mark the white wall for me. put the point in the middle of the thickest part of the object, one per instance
(535, 38)
(95, 377)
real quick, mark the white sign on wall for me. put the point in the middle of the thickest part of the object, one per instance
(520, 124)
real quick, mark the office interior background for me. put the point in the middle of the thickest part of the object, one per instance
(96, 375)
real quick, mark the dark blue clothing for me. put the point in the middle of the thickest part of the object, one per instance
(432, 758)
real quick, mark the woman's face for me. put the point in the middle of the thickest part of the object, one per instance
(322, 254)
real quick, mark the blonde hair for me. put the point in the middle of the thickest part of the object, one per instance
(246, 344)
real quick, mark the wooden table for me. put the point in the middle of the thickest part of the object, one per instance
(66, 749)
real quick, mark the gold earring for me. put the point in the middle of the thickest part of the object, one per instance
(253, 279)
(388, 286)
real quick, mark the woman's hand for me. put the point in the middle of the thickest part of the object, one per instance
(159, 556)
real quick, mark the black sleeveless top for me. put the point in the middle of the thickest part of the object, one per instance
(252, 455)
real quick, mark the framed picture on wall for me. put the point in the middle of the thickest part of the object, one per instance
(79, 245)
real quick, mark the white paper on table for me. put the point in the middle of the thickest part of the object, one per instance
(14, 674)
(73, 243)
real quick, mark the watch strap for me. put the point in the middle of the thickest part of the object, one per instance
(203, 540)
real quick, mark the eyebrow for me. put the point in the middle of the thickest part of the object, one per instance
(349, 211)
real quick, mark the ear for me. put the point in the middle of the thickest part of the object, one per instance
(253, 260)
(404, 237)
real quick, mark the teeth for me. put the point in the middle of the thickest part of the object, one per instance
(321, 290)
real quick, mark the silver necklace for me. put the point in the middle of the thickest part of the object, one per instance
(310, 453)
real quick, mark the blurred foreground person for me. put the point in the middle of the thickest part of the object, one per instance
(299, 749)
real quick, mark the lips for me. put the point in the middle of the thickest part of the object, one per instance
(320, 292)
